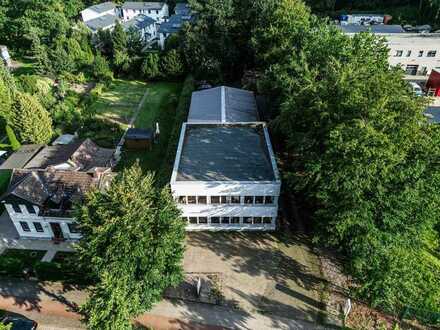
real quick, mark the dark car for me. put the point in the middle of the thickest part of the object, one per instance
(19, 322)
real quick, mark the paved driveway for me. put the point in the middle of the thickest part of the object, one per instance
(261, 272)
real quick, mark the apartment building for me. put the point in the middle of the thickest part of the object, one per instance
(416, 53)
(225, 175)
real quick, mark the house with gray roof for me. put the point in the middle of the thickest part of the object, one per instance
(105, 22)
(99, 10)
(225, 175)
(145, 25)
(156, 10)
(40, 202)
(175, 23)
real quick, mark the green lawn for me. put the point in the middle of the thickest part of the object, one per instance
(160, 106)
(118, 102)
(25, 66)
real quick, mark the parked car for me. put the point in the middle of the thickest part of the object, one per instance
(416, 88)
(19, 322)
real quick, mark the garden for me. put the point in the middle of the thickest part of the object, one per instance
(65, 267)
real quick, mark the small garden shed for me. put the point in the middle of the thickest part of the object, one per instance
(139, 139)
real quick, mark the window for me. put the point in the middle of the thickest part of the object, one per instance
(267, 220)
(193, 220)
(411, 69)
(247, 219)
(24, 225)
(258, 220)
(192, 199)
(235, 220)
(182, 199)
(38, 227)
(268, 200)
(149, 11)
(399, 53)
(201, 199)
(215, 220)
(185, 219)
(215, 199)
(225, 220)
(235, 199)
(420, 53)
(73, 228)
(431, 53)
(157, 11)
(224, 200)
(203, 220)
(259, 199)
(248, 199)
(408, 53)
(16, 208)
(30, 209)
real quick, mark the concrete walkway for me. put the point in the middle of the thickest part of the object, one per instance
(55, 306)
(49, 256)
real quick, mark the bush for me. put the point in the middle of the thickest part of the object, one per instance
(172, 64)
(101, 69)
(11, 266)
(48, 271)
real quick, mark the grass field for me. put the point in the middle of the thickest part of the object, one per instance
(118, 102)
(160, 106)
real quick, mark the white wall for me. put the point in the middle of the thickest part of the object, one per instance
(88, 14)
(414, 43)
(159, 16)
(208, 189)
(30, 218)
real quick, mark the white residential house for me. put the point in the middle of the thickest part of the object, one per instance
(47, 181)
(145, 25)
(39, 202)
(156, 10)
(416, 53)
(225, 175)
(99, 10)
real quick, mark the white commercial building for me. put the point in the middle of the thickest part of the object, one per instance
(225, 175)
(416, 53)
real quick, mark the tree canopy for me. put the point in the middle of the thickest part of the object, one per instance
(133, 242)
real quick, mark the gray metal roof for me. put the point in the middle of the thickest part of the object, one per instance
(103, 7)
(175, 23)
(102, 22)
(225, 153)
(139, 22)
(433, 114)
(21, 157)
(143, 5)
(139, 134)
(377, 29)
(223, 104)
(182, 8)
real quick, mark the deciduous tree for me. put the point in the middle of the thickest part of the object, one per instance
(133, 241)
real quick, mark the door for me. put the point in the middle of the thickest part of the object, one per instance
(57, 231)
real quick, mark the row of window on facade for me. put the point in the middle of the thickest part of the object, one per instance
(228, 220)
(226, 199)
(430, 53)
(29, 208)
(73, 227)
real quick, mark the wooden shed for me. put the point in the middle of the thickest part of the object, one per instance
(139, 139)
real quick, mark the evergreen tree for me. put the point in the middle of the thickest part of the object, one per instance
(151, 66)
(172, 64)
(7, 90)
(119, 39)
(101, 69)
(133, 240)
(30, 121)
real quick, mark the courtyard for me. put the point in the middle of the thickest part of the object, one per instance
(266, 273)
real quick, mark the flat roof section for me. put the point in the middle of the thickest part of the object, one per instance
(212, 152)
(21, 157)
(377, 29)
(223, 105)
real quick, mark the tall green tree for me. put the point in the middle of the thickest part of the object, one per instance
(364, 155)
(30, 121)
(151, 66)
(7, 91)
(133, 240)
(172, 64)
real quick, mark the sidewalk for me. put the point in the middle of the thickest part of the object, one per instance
(55, 306)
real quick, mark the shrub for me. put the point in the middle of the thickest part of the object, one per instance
(172, 64)
(48, 271)
(150, 66)
(11, 266)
